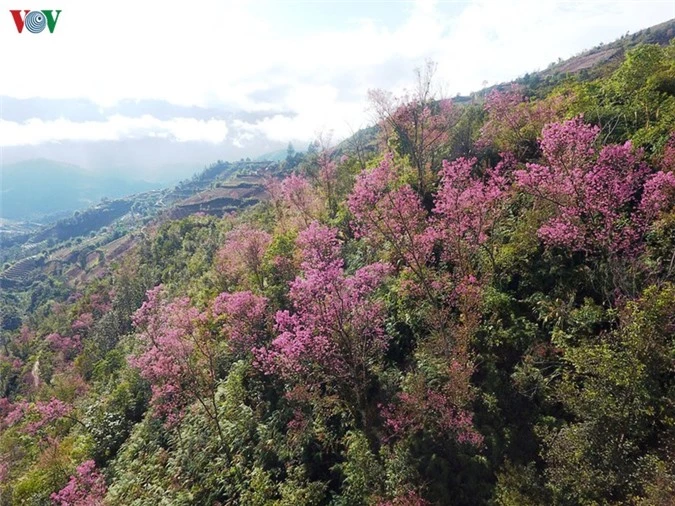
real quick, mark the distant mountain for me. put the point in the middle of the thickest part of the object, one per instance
(63, 247)
(34, 189)
(273, 156)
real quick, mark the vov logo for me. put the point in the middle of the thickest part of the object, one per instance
(35, 21)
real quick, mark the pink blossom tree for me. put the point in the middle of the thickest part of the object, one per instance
(658, 201)
(66, 346)
(468, 209)
(591, 192)
(182, 348)
(436, 398)
(658, 196)
(86, 488)
(325, 174)
(334, 340)
(47, 413)
(177, 369)
(240, 260)
(47, 421)
(83, 322)
(13, 412)
(390, 217)
(431, 410)
(418, 121)
(100, 303)
(243, 318)
(514, 122)
(668, 156)
(295, 202)
(407, 498)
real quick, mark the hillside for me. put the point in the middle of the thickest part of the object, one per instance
(606, 57)
(219, 189)
(469, 303)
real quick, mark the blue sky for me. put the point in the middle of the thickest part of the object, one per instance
(239, 78)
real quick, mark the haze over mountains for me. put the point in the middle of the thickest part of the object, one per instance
(36, 189)
(110, 152)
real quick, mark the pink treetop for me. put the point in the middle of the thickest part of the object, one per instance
(296, 201)
(407, 498)
(242, 255)
(431, 410)
(243, 316)
(26, 335)
(48, 412)
(658, 195)
(68, 346)
(40, 413)
(668, 157)
(5, 407)
(570, 144)
(593, 193)
(468, 207)
(419, 123)
(513, 121)
(505, 109)
(327, 169)
(86, 488)
(387, 214)
(165, 360)
(336, 334)
(14, 412)
(100, 303)
(83, 322)
(425, 129)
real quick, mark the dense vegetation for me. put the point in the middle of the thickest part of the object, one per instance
(482, 311)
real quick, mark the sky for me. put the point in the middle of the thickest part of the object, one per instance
(144, 85)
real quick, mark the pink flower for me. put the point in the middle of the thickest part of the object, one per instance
(593, 193)
(242, 255)
(86, 488)
(336, 333)
(83, 322)
(658, 195)
(243, 315)
(68, 346)
(513, 121)
(166, 327)
(15, 413)
(389, 215)
(296, 202)
(468, 207)
(48, 412)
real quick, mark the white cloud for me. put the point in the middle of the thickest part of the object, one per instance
(316, 109)
(36, 131)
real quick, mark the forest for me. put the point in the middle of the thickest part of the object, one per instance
(474, 305)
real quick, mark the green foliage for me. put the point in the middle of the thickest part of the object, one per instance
(362, 471)
(621, 381)
(636, 102)
(182, 252)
